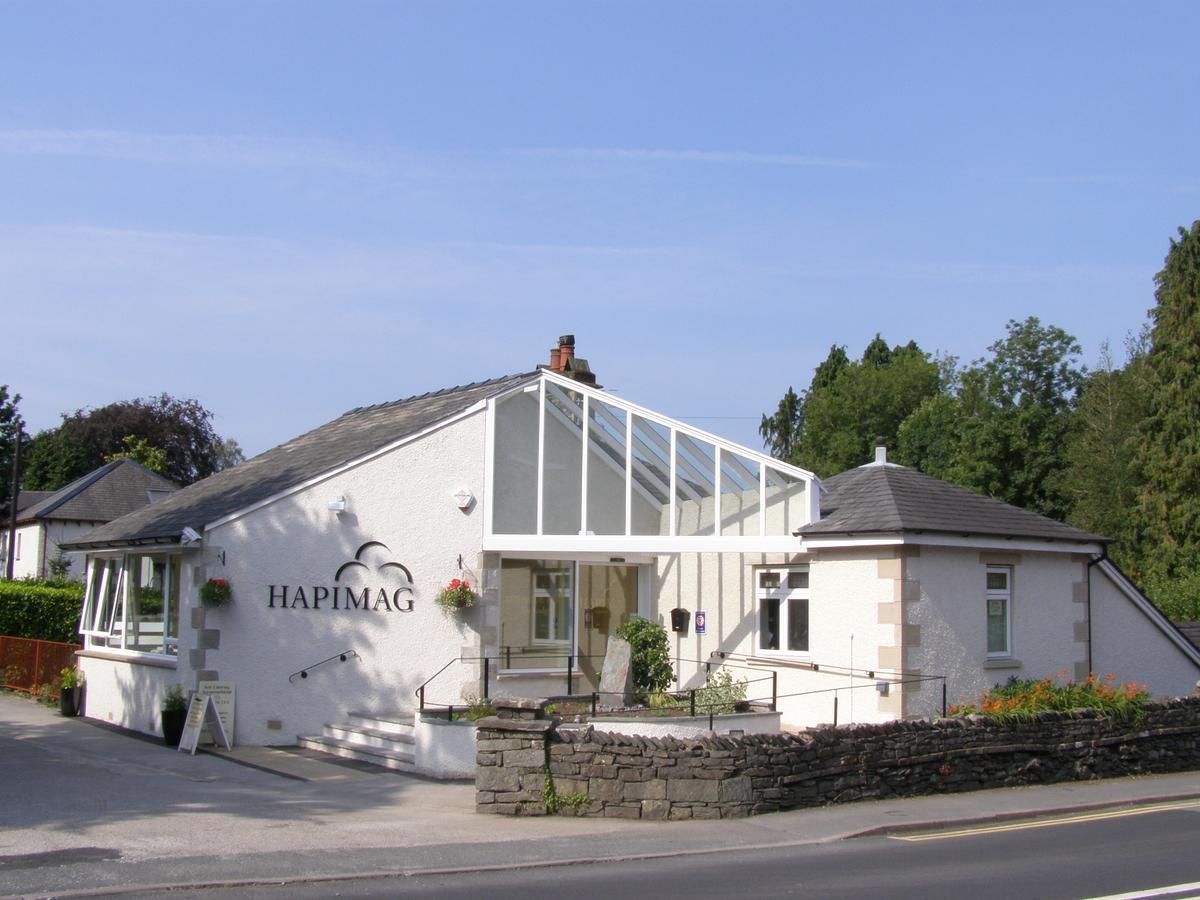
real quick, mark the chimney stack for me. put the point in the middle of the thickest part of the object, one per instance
(564, 362)
(880, 451)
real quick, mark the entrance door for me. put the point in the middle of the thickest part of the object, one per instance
(608, 598)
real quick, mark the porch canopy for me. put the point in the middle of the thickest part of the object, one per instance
(571, 468)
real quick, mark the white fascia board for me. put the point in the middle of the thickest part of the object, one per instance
(970, 542)
(608, 556)
(779, 465)
(471, 410)
(1150, 610)
(615, 544)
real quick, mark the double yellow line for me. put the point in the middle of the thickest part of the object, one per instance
(1050, 821)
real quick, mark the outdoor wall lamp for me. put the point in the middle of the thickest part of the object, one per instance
(337, 506)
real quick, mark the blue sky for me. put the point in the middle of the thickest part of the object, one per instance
(287, 210)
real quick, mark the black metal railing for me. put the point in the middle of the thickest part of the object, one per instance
(337, 657)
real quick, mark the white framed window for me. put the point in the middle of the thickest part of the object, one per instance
(782, 600)
(998, 590)
(553, 607)
(131, 603)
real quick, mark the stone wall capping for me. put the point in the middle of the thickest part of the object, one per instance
(502, 726)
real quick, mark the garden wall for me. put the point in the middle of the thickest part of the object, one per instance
(592, 773)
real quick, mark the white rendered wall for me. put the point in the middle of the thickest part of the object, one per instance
(444, 749)
(63, 533)
(844, 592)
(1048, 621)
(126, 694)
(1127, 642)
(402, 499)
(28, 558)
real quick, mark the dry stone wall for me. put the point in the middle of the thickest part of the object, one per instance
(527, 765)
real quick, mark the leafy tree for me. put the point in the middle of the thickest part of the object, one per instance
(651, 656)
(10, 422)
(180, 428)
(781, 432)
(1100, 482)
(850, 404)
(1002, 431)
(1167, 515)
(141, 452)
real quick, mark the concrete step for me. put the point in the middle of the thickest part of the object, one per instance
(398, 760)
(371, 737)
(399, 722)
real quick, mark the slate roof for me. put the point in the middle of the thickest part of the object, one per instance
(350, 436)
(889, 498)
(109, 492)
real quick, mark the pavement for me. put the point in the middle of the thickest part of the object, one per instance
(88, 810)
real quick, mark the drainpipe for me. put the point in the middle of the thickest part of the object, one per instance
(1103, 556)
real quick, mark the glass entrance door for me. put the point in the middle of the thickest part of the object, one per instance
(608, 598)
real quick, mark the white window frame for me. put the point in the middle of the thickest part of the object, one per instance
(784, 595)
(997, 594)
(111, 635)
(552, 613)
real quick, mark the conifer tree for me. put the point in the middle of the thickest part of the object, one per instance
(1167, 518)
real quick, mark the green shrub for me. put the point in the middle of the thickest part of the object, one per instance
(720, 694)
(651, 656)
(41, 610)
(1177, 597)
(1022, 697)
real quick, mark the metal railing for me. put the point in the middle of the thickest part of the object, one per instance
(28, 665)
(337, 657)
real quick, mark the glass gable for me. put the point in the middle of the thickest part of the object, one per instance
(570, 462)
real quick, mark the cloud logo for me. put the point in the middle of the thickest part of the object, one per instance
(374, 556)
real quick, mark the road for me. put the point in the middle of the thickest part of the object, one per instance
(1081, 855)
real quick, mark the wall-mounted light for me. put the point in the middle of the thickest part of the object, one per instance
(338, 505)
(463, 498)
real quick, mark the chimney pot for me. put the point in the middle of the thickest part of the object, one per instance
(555, 360)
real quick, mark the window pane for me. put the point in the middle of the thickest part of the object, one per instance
(997, 581)
(786, 503)
(537, 613)
(768, 580)
(997, 625)
(797, 580)
(107, 612)
(740, 508)
(651, 477)
(606, 469)
(562, 488)
(768, 624)
(514, 489)
(695, 463)
(798, 625)
(145, 618)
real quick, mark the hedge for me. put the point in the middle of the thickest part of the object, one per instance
(40, 610)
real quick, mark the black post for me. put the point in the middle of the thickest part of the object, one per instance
(595, 698)
(835, 707)
(943, 696)
(774, 690)
(710, 717)
(570, 673)
(508, 657)
(692, 697)
(450, 713)
(486, 661)
(12, 504)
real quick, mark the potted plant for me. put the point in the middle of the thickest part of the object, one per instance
(456, 595)
(174, 714)
(70, 694)
(215, 592)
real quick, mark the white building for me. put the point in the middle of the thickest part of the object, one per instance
(46, 520)
(570, 510)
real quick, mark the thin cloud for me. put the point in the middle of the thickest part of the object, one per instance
(187, 149)
(720, 157)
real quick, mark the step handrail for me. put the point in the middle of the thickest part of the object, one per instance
(338, 657)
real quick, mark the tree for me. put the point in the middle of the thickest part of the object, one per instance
(10, 423)
(141, 452)
(1167, 515)
(1100, 482)
(850, 404)
(781, 431)
(180, 428)
(1003, 431)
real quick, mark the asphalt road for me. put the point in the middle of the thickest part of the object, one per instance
(1086, 856)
